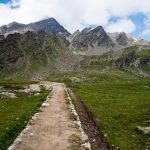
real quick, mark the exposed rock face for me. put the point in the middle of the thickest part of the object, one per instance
(16, 48)
(48, 25)
(126, 60)
(134, 58)
(143, 44)
(91, 38)
(3, 30)
(10, 52)
(144, 130)
(98, 39)
(15, 26)
(120, 38)
(2, 37)
(34, 55)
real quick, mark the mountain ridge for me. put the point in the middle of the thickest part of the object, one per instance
(28, 53)
(49, 25)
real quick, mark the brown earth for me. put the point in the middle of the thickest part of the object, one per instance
(90, 125)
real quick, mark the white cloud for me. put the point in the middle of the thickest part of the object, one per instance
(122, 25)
(146, 32)
(72, 13)
(147, 20)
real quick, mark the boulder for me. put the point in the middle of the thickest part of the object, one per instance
(144, 130)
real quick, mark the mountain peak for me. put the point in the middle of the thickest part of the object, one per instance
(91, 38)
(12, 23)
(49, 25)
(99, 30)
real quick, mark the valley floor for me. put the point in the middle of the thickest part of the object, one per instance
(116, 100)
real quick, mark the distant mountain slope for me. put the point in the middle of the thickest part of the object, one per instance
(45, 46)
(97, 40)
(48, 25)
(121, 38)
(134, 58)
(16, 48)
(24, 55)
(91, 39)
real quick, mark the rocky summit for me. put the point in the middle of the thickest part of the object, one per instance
(49, 25)
(91, 38)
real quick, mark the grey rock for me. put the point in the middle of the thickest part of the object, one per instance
(144, 130)
(2, 37)
(93, 38)
(49, 25)
(121, 38)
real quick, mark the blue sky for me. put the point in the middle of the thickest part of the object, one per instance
(113, 15)
(138, 20)
(4, 1)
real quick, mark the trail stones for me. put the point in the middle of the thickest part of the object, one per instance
(45, 104)
(144, 130)
(9, 94)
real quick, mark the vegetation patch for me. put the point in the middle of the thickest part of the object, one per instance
(15, 113)
(72, 117)
(75, 140)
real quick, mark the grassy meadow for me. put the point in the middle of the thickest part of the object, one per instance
(119, 102)
(16, 112)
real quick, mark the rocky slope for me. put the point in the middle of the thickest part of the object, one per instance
(48, 25)
(98, 40)
(134, 59)
(31, 54)
(120, 38)
(89, 38)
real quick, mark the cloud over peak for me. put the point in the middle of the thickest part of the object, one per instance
(74, 14)
(122, 25)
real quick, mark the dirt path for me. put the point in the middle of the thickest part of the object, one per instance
(52, 128)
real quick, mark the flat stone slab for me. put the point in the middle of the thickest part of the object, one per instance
(144, 130)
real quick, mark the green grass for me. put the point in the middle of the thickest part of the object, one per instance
(120, 101)
(146, 68)
(144, 53)
(16, 82)
(15, 113)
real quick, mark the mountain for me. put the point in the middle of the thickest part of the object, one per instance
(48, 25)
(33, 55)
(98, 40)
(33, 51)
(89, 38)
(120, 38)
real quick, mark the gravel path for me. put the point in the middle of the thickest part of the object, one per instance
(52, 128)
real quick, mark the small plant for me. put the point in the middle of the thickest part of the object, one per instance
(73, 117)
(42, 87)
(75, 140)
(75, 147)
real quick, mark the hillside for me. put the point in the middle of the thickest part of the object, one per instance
(34, 55)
